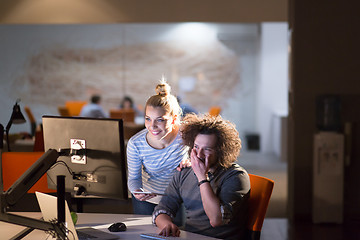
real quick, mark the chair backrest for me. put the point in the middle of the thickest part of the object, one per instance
(130, 129)
(127, 115)
(14, 164)
(31, 120)
(63, 111)
(214, 110)
(29, 114)
(75, 107)
(39, 141)
(260, 193)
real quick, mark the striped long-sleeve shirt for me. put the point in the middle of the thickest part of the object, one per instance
(150, 168)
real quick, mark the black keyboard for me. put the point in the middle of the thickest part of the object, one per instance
(159, 237)
(84, 236)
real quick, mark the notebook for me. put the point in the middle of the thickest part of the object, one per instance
(48, 207)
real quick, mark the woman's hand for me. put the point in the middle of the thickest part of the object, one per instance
(184, 164)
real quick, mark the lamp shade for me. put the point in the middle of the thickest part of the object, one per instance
(16, 116)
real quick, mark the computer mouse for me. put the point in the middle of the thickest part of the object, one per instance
(117, 227)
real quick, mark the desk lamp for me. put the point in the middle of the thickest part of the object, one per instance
(17, 118)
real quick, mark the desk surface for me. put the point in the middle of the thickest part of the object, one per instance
(136, 224)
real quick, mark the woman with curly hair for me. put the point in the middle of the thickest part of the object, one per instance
(215, 189)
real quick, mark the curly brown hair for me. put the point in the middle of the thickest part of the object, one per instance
(228, 141)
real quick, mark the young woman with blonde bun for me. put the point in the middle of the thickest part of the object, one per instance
(155, 153)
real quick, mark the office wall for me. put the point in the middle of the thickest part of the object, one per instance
(117, 11)
(46, 65)
(272, 99)
(45, 11)
(325, 53)
(206, 64)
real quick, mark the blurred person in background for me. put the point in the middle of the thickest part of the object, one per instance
(93, 109)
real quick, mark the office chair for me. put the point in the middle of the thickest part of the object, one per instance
(74, 107)
(31, 120)
(39, 141)
(14, 164)
(130, 129)
(260, 193)
(214, 110)
(63, 111)
(127, 115)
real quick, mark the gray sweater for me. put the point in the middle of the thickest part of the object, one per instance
(231, 186)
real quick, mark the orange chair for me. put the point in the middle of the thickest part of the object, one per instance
(31, 120)
(214, 110)
(127, 115)
(260, 193)
(74, 107)
(14, 164)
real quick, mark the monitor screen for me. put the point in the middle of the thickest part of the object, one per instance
(92, 155)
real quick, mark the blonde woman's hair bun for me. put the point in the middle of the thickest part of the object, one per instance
(165, 100)
(163, 88)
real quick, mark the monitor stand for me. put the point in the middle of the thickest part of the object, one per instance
(19, 188)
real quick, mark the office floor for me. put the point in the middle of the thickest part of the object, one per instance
(269, 165)
(276, 225)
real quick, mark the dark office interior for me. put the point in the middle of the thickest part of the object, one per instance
(323, 60)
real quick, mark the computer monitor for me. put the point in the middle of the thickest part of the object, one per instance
(91, 155)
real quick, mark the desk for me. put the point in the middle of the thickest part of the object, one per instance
(136, 224)
(21, 145)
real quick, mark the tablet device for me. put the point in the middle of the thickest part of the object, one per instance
(150, 193)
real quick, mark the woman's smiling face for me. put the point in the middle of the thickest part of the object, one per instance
(158, 122)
